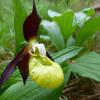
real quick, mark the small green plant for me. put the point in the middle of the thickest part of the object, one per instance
(68, 33)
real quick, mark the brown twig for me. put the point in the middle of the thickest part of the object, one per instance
(68, 89)
(91, 96)
(73, 83)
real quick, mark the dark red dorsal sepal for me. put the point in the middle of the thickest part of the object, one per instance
(31, 24)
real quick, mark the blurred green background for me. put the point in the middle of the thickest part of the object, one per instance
(7, 34)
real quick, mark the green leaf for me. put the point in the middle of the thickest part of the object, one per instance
(13, 79)
(53, 14)
(79, 19)
(87, 66)
(67, 1)
(82, 16)
(19, 18)
(70, 41)
(66, 54)
(65, 23)
(89, 11)
(30, 91)
(67, 73)
(88, 29)
(54, 34)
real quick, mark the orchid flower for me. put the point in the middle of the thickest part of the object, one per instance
(33, 59)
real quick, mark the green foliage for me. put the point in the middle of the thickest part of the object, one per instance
(61, 29)
(89, 11)
(6, 26)
(87, 65)
(61, 20)
(19, 18)
(80, 19)
(88, 29)
(53, 14)
(54, 34)
(65, 22)
(5, 42)
(30, 91)
(12, 80)
(69, 23)
(66, 54)
(83, 25)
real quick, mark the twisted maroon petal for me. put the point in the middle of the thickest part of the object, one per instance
(23, 67)
(12, 66)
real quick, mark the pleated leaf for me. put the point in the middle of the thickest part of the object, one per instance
(88, 29)
(53, 14)
(54, 34)
(82, 16)
(66, 54)
(30, 91)
(87, 66)
(65, 23)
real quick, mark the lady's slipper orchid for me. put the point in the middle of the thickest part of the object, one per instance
(33, 59)
(44, 71)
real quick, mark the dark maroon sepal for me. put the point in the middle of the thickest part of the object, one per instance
(31, 24)
(12, 66)
(23, 67)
